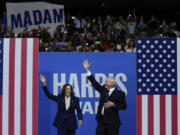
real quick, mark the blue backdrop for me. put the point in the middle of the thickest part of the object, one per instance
(60, 68)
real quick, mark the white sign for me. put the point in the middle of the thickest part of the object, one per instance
(34, 14)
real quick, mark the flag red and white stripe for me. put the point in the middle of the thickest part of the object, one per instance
(159, 114)
(19, 101)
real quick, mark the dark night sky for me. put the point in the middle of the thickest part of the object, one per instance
(116, 7)
(161, 4)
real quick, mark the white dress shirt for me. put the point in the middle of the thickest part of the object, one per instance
(67, 102)
(110, 91)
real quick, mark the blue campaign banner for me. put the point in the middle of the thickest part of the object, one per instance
(61, 68)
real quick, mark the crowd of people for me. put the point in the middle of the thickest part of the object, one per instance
(97, 34)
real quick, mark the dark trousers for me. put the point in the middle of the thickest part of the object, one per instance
(106, 129)
(64, 131)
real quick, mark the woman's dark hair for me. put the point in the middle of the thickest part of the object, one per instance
(64, 89)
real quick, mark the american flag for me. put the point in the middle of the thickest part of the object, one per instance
(18, 86)
(158, 83)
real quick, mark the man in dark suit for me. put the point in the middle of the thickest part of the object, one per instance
(111, 101)
(65, 120)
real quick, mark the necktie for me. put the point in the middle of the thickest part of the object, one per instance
(106, 99)
(107, 95)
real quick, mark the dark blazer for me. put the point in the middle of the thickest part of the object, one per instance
(64, 116)
(111, 115)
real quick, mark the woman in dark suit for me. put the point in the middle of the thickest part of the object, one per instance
(65, 120)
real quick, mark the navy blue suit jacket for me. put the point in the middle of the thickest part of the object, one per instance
(111, 115)
(64, 116)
